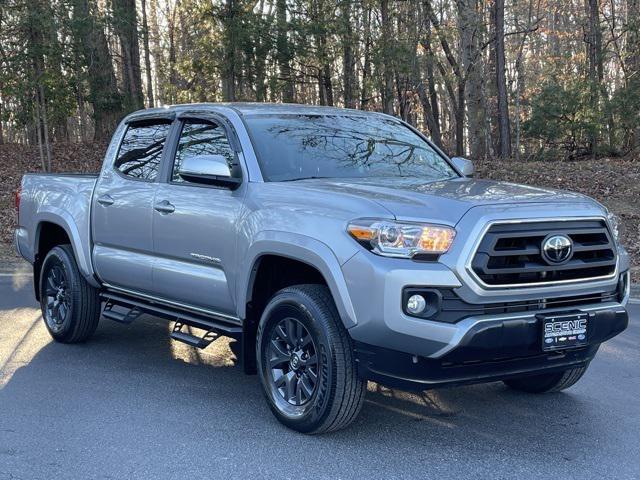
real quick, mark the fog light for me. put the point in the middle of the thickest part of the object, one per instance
(416, 304)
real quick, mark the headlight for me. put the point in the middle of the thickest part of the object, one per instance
(614, 222)
(404, 240)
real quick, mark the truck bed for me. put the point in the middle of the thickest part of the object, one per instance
(60, 198)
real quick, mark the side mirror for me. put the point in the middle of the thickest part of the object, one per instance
(208, 170)
(465, 166)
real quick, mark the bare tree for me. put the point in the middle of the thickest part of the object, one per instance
(366, 59)
(469, 26)
(504, 125)
(230, 45)
(1, 131)
(284, 54)
(147, 53)
(457, 96)
(104, 96)
(126, 27)
(633, 59)
(156, 50)
(347, 55)
(387, 62)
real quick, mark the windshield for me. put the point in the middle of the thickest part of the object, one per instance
(294, 147)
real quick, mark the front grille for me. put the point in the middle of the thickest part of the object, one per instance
(510, 253)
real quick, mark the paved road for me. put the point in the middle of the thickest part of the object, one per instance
(132, 404)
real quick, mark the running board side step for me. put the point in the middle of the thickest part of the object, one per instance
(120, 317)
(193, 340)
(134, 307)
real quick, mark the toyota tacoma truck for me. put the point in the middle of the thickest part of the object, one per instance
(337, 246)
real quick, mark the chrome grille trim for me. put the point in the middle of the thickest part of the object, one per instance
(487, 227)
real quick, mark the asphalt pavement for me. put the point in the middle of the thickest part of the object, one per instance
(131, 403)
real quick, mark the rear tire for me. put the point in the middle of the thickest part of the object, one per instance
(306, 361)
(70, 306)
(548, 382)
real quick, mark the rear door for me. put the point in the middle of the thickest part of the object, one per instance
(195, 237)
(123, 207)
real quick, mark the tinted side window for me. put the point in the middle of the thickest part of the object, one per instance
(141, 150)
(201, 138)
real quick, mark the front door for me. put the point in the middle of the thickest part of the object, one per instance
(194, 226)
(123, 208)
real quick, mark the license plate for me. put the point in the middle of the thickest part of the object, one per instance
(564, 330)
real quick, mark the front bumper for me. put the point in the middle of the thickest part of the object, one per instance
(399, 370)
(376, 284)
(498, 335)
(491, 350)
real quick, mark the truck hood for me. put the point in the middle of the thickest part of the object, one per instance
(443, 201)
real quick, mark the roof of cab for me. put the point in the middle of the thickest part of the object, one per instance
(248, 108)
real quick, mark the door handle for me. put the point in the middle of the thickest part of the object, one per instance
(164, 207)
(105, 200)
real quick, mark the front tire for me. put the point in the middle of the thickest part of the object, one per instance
(306, 361)
(70, 306)
(548, 382)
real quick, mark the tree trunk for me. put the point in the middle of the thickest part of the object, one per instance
(325, 84)
(147, 54)
(328, 84)
(608, 111)
(35, 50)
(504, 127)
(284, 55)
(633, 62)
(457, 100)
(38, 126)
(594, 56)
(262, 48)
(1, 131)
(521, 75)
(469, 26)
(459, 115)
(156, 51)
(428, 97)
(436, 134)
(42, 101)
(103, 89)
(347, 55)
(126, 27)
(520, 86)
(171, 95)
(491, 87)
(387, 87)
(366, 67)
(229, 62)
(429, 117)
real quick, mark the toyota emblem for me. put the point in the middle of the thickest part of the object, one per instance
(557, 249)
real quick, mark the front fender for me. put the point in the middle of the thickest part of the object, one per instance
(304, 249)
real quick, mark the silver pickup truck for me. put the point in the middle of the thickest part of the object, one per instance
(337, 246)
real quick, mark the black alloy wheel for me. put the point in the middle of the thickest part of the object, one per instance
(293, 362)
(57, 300)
